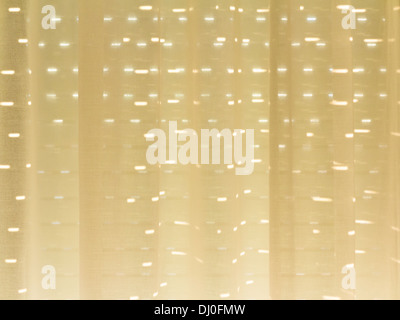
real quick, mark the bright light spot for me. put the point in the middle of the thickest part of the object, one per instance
(6, 104)
(181, 223)
(321, 199)
(177, 253)
(340, 71)
(141, 103)
(364, 222)
(259, 70)
(173, 101)
(361, 131)
(312, 39)
(7, 72)
(147, 264)
(340, 168)
(144, 71)
(339, 103)
(10, 261)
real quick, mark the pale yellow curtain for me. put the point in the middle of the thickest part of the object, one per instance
(318, 218)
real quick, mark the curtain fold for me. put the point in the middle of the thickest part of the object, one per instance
(318, 218)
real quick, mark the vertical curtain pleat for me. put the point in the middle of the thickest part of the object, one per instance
(53, 210)
(14, 136)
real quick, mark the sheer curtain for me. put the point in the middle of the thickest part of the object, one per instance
(317, 219)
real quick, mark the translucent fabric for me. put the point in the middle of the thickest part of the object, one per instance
(84, 215)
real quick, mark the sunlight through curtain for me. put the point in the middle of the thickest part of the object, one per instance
(85, 215)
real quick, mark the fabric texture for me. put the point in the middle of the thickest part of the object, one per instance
(84, 215)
